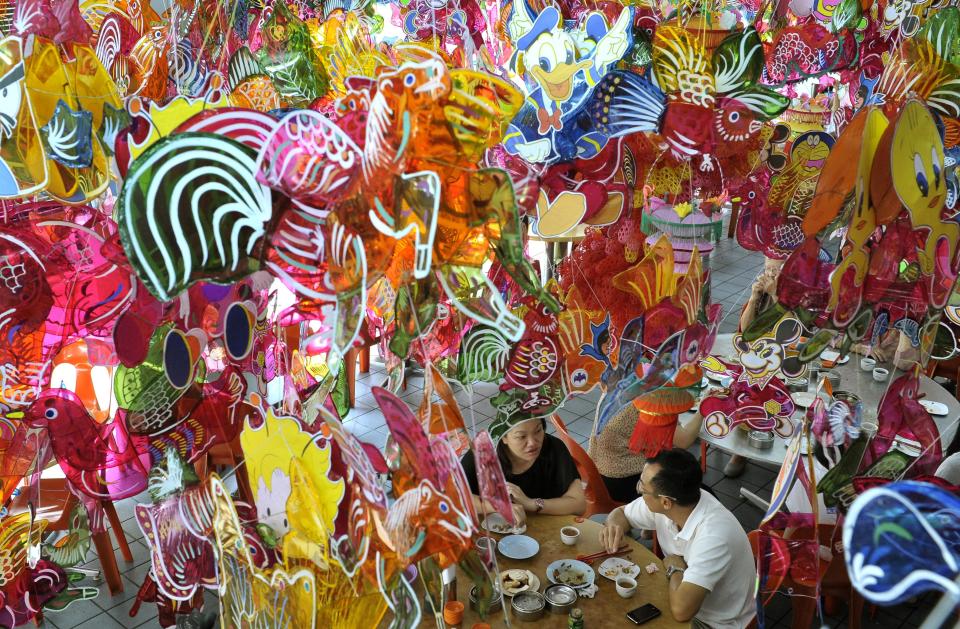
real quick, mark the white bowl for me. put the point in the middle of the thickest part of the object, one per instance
(867, 364)
(880, 374)
(569, 535)
(626, 587)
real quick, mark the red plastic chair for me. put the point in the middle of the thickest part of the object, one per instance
(598, 498)
(58, 499)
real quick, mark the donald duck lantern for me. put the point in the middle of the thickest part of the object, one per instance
(561, 67)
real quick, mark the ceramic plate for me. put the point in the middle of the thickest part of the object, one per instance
(716, 377)
(518, 547)
(528, 580)
(571, 572)
(935, 408)
(803, 399)
(495, 523)
(615, 567)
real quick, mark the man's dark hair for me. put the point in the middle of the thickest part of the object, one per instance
(679, 476)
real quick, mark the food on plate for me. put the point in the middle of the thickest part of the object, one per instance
(515, 579)
(615, 571)
(500, 527)
(569, 574)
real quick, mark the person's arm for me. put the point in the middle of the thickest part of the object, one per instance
(483, 508)
(749, 312)
(686, 434)
(572, 502)
(635, 515)
(685, 597)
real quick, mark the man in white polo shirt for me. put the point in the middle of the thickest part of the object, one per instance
(708, 560)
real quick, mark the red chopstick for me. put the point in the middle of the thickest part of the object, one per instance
(623, 550)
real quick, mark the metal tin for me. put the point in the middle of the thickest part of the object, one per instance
(797, 385)
(496, 602)
(761, 440)
(560, 598)
(528, 605)
(832, 377)
(851, 399)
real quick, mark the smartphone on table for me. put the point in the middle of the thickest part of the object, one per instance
(643, 614)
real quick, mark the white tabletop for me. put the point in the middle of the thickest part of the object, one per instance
(852, 379)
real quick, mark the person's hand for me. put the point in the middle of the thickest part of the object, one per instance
(674, 560)
(517, 496)
(519, 514)
(610, 536)
(769, 284)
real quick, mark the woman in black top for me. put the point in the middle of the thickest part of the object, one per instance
(541, 475)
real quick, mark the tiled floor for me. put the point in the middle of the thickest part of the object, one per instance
(733, 272)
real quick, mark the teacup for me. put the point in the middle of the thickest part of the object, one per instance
(880, 374)
(569, 535)
(626, 587)
(867, 364)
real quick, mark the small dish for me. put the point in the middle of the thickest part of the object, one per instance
(867, 364)
(880, 374)
(803, 399)
(572, 572)
(514, 581)
(712, 375)
(528, 606)
(518, 547)
(935, 408)
(496, 523)
(560, 598)
(614, 567)
(626, 587)
(569, 535)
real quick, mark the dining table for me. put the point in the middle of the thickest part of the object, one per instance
(852, 379)
(607, 608)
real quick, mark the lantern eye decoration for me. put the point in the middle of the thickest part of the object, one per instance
(922, 184)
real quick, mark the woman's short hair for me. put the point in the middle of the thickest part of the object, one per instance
(679, 476)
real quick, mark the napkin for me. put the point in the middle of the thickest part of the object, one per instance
(588, 592)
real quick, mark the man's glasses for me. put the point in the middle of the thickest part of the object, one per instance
(644, 492)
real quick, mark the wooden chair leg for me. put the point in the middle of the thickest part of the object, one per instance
(703, 457)
(108, 562)
(364, 359)
(350, 364)
(734, 217)
(856, 609)
(111, 512)
(804, 609)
